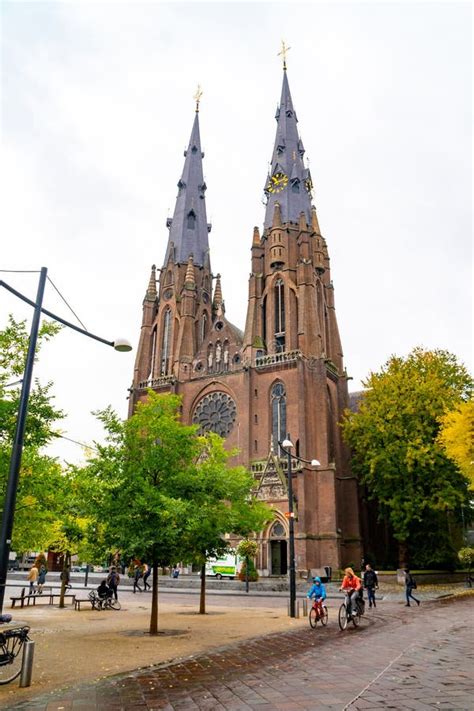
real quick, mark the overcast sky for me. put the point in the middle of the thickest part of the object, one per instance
(97, 107)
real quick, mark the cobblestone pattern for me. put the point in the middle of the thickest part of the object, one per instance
(436, 673)
(399, 659)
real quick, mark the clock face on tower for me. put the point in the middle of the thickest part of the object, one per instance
(277, 183)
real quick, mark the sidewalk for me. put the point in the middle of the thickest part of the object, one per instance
(417, 658)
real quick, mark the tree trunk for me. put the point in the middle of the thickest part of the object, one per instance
(66, 567)
(202, 597)
(154, 600)
(402, 554)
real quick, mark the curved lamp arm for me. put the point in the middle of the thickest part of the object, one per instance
(286, 445)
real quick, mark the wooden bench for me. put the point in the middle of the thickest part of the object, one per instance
(30, 598)
(79, 600)
(53, 595)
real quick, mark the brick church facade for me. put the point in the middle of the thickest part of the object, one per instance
(283, 374)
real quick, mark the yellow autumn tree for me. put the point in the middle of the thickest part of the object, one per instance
(457, 438)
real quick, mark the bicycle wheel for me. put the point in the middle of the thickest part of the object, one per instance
(115, 605)
(11, 655)
(342, 617)
(324, 616)
(356, 619)
(313, 617)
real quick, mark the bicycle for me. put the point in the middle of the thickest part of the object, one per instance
(318, 614)
(104, 603)
(11, 644)
(344, 616)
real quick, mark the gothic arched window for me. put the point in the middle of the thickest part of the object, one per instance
(278, 403)
(279, 296)
(153, 354)
(166, 343)
(278, 530)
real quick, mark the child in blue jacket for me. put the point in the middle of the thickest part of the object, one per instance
(318, 592)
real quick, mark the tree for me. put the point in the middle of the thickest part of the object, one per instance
(162, 492)
(223, 505)
(394, 440)
(457, 438)
(40, 474)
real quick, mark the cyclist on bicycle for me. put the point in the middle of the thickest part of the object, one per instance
(352, 586)
(318, 591)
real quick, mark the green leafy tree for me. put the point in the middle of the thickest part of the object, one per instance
(223, 504)
(466, 557)
(394, 440)
(40, 475)
(163, 493)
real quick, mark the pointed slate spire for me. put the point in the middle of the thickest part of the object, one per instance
(151, 292)
(188, 229)
(289, 180)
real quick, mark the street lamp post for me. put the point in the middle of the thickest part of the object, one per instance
(286, 446)
(8, 512)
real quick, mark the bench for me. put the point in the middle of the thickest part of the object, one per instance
(53, 595)
(79, 600)
(30, 597)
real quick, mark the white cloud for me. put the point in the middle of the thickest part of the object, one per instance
(97, 108)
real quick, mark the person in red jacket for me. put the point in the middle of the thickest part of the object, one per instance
(351, 585)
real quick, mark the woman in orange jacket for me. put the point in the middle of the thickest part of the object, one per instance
(351, 585)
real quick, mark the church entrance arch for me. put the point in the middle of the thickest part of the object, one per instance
(278, 550)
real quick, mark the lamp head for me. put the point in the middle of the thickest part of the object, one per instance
(287, 443)
(315, 463)
(122, 345)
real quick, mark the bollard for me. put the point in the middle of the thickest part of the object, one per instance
(305, 606)
(297, 609)
(27, 663)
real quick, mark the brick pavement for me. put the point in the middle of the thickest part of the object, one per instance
(417, 659)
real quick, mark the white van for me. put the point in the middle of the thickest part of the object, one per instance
(228, 566)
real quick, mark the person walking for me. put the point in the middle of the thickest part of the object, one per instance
(371, 583)
(42, 577)
(33, 574)
(146, 570)
(113, 579)
(410, 585)
(137, 574)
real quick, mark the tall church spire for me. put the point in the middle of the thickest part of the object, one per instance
(289, 182)
(188, 229)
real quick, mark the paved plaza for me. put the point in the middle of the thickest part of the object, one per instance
(399, 658)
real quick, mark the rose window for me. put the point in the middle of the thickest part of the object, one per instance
(216, 412)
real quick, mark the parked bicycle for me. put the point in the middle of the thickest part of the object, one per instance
(345, 615)
(318, 613)
(103, 603)
(11, 657)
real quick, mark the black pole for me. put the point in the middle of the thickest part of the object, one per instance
(246, 573)
(291, 537)
(17, 449)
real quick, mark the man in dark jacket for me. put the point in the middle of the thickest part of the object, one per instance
(371, 583)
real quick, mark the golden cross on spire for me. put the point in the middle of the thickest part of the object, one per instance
(284, 51)
(197, 97)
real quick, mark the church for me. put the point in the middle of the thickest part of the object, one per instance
(282, 375)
